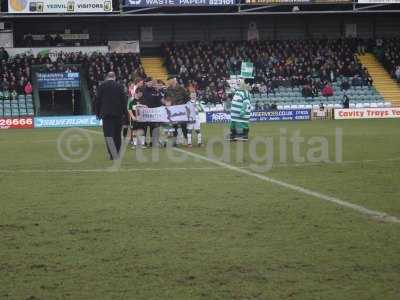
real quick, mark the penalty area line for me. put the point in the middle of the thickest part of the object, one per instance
(358, 208)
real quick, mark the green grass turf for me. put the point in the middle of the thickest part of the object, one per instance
(212, 233)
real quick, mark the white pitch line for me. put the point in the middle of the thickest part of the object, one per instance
(167, 169)
(361, 209)
(101, 170)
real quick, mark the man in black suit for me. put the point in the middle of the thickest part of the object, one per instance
(111, 106)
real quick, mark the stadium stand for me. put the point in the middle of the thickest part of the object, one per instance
(389, 55)
(15, 75)
(383, 82)
(15, 86)
(127, 67)
(290, 73)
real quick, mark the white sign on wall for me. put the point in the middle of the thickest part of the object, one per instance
(252, 32)
(146, 34)
(54, 52)
(6, 39)
(350, 30)
(124, 46)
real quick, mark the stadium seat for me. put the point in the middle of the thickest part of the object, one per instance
(22, 111)
(388, 104)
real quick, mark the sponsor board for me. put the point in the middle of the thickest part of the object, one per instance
(16, 123)
(217, 117)
(263, 116)
(66, 121)
(144, 3)
(55, 52)
(263, 2)
(367, 113)
(58, 81)
(276, 1)
(58, 6)
(378, 1)
(281, 115)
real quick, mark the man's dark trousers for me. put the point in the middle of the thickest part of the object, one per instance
(112, 127)
(184, 131)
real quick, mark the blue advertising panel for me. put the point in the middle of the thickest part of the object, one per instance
(58, 81)
(262, 116)
(66, 121)
(281, 115)
(217, 117)
(146, 3)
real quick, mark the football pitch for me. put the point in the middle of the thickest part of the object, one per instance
(263, 219)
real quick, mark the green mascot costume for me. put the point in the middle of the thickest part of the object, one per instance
(240, 113)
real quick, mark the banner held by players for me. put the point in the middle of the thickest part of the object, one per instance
(185, 113)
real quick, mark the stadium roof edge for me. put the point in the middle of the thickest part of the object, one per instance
(238, 13)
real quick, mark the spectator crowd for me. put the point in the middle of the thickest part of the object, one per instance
(389, 54)
(311, 65)
(15, 72)
(14, 76)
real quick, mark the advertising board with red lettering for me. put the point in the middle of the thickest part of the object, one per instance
(19, 123)
(367, 113)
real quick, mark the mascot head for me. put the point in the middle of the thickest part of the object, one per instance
(244, 84)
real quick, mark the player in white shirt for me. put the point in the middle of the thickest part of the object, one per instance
(196, 125)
